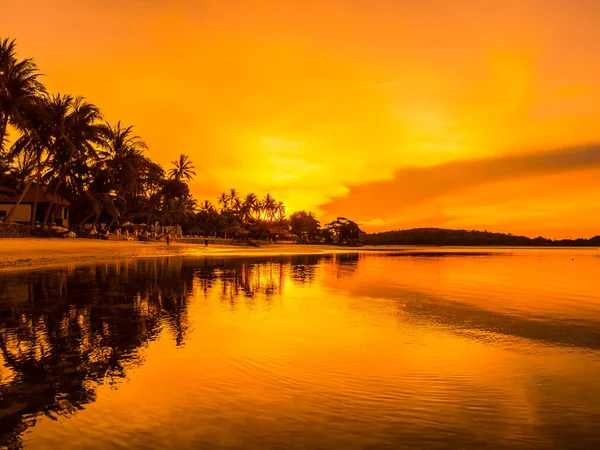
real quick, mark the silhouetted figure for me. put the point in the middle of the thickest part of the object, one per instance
(168, 240)
(205, 242)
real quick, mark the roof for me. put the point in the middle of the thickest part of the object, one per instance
(5, 190)
(43, 196)
(275, 230)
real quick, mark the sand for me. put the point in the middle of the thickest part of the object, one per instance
(28, 253)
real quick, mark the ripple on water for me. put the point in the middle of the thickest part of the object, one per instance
(354, 351)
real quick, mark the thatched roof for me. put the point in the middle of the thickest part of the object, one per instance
(235, 230)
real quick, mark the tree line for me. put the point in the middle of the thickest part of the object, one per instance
(63, 142)
(440, 236)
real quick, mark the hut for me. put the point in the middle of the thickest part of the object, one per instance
(44, 197)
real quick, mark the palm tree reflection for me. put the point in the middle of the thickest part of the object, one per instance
(64, 332)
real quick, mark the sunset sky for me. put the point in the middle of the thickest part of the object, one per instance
(397, 114)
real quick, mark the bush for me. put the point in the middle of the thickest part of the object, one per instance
(14, 230)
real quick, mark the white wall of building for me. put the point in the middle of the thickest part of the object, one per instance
(21, 214)
(64, 214)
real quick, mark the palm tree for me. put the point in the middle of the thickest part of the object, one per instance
(207, 206)
(183, 169)
(237, 205)
(122, 155)
(180, 209)
(280, 210)
(75, 132)
(233, 195)
(19, 89)
(248, 206)
(223, 201)
(152, 179)
(153, 205)
(23, 167)
(119, 173)
(269, 205)
(32, 146)
(36, 140)
(207, 217)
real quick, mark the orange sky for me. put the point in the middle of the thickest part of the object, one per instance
(366, 108)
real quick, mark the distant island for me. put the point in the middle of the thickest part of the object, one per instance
(442, 236)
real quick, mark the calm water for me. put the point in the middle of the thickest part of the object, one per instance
(370, 351)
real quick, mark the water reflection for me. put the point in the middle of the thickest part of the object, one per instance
(376, 349)
(63, 332)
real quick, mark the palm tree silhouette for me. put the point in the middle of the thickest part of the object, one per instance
(247, 207)
(269, 206)
(64, 128)
(280, 210)
(223, 201)
(207, 206)
(19, 89)
(123, 164)
(76, 132)
(122, 155)
(233, 194)
(183, 170)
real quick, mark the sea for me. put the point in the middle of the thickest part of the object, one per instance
(415, 348)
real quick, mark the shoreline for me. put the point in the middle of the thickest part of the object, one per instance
(18, 254)
(41, 253)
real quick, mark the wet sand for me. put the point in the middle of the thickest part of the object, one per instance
(30, 253)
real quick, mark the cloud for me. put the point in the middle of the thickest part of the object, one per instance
(412, 186)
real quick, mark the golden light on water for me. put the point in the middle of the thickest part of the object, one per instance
(333, 348)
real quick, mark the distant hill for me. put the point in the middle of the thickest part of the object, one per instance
(441, 236)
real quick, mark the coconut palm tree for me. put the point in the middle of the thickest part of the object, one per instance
(233, 195)
(24, 167)
(269, 206)
(75, 132)
(122, 155)
(183, 169)
(61, 129)
(236, 206)
(120, 172)
(19, 89)
(207, 206)
(248, 207)
(179, 209)
(223, 200)
(280, 210)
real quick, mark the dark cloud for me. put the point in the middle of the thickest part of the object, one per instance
(412, 185)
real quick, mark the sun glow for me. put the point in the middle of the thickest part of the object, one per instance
(309, 100)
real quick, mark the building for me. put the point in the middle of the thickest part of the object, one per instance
(60, 212)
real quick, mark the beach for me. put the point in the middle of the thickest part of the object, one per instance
(27, 253)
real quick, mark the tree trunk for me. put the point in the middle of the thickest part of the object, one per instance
(88, 217)
(19, 200)
(61, 177)
(35, 203)
(51, 205)
(112, 221)
(48, 215)
(3, 127)
(97, 217)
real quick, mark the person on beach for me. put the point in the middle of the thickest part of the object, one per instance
(168, 239)
(205, 242)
